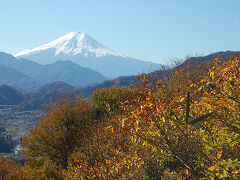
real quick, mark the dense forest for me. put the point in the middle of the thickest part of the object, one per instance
(185, 125)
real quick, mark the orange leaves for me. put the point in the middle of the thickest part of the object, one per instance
(111, 168)
(151, 125)
(110, 127)
(196, 148)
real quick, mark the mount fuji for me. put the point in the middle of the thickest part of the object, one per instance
(87, 52)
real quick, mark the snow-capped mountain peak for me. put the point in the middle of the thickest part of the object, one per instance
(72, 44)
(87, 52)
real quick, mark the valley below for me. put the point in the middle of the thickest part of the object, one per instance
(14, 126)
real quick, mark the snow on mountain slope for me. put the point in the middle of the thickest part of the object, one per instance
(72, 44)
(87, 52)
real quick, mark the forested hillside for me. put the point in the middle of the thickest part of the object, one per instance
(182, 125)
(9, 96)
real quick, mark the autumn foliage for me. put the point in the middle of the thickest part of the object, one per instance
(12, 170)
(186, 126)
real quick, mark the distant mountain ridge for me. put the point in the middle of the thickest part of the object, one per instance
(58, 86)
(68, 72)
(17, 79)
(87, 52)
(28, 75)
(44, 95)
(51, 91)
(33, 102)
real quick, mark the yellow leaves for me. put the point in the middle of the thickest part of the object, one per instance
(212, 168)
(144, 116)
(123, 121)
(116, 169)
(225, 173)
(212, 74)
(219, 154)
(161, 151)
(110, 127)
(137, 126)
(163, 119)
(181, 100)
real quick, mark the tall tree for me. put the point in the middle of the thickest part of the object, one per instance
(61, 131)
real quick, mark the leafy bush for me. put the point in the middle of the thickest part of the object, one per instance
(109, 100)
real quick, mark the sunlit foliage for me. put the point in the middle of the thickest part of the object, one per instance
(181, 127)
(12, 170)
(60, 132)
(109, 100)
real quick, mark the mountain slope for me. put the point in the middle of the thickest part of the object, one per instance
(71, 44)
(188, 64)
(25, 66)
(57, 86)
(9, 96)
(46, 94)
(20, 65)
(66, 71)
(87, 52)
(17, 79)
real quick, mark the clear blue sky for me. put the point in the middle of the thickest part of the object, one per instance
(153, 30)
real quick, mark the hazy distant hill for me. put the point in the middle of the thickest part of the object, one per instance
(207, 58)
(66, 71)
(17, 79)
(9, 96)
(46, 94)
(23, 65)
(58, 86)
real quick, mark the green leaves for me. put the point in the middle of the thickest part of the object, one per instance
(187, 116)
(177, 121)
(200, 119)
